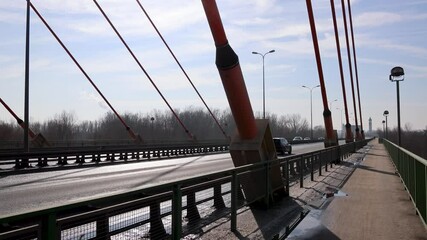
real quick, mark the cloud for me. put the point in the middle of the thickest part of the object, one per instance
(94, 98)
(376, 19)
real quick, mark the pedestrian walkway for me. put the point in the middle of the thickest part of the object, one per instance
(375, 206)
(368, 201)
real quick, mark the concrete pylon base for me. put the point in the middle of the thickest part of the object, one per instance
(39, 141)
(260, 149)
(332, 142)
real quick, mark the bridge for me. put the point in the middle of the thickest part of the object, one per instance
(237, 187)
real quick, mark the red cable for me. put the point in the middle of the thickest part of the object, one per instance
(179, 64)
(142, 68)
(83, 71)
(355, 64)
(350, 65)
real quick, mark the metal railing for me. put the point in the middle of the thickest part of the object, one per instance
(105, 154)
(413, 173)
(169, 210)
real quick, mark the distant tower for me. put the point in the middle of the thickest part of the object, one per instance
(370, 125)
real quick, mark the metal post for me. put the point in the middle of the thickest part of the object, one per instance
(218, 201)
(312, 167)
(386, 128)
(311, 114)
(301, 172)
(176, 212)
(234, 187)
(27, 86)
(49, 228)
(263, 79)
(192, 211)
(263, 88)
(287, 176)
(311, 108)
(398, 114)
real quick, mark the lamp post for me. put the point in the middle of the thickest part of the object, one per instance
(396, 75)
(384, 128)
(263, 79)
(152, 127)
(311, 108)
(385, 114)
(341, 121)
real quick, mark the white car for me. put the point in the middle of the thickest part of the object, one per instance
(297, 138)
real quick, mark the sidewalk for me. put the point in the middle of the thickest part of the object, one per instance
(377, 206)
(369, 203)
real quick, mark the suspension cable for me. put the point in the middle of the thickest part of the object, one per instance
(19, 120)
(350, 68)
(355, 64)
(145, 72)
(182, 69)
(337, 43)
(131, 133)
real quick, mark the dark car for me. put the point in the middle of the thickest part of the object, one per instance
(282, 145)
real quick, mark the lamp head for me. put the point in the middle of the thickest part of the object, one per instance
(385, 113)
(255, 53)
(397, 74)
(272, 51)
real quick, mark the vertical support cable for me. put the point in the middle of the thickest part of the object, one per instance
(143, 69)
(182, 69)
(358, 137)
(27, 84)
(131, 133)
(349, 134)
(327, 116)
(355, 68)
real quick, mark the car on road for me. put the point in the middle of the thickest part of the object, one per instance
(282, 145)
(297, 138)
(306, 139)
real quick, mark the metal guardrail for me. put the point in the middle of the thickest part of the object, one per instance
(104, 154)
(169, 210)
(413, 173)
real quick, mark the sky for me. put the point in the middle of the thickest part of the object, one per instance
(388, 33)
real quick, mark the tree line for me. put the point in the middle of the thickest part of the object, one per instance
(414, 141)
(154, 126)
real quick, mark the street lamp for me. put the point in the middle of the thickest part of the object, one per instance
(263, 79)
(384, 128)
(341, 121)
(396, 75)
(385, 114)
(152, 128)
(311, 107)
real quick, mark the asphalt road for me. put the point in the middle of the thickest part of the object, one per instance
(28, 192)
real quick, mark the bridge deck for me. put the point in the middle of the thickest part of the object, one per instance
(371, 204)
(376, 207)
